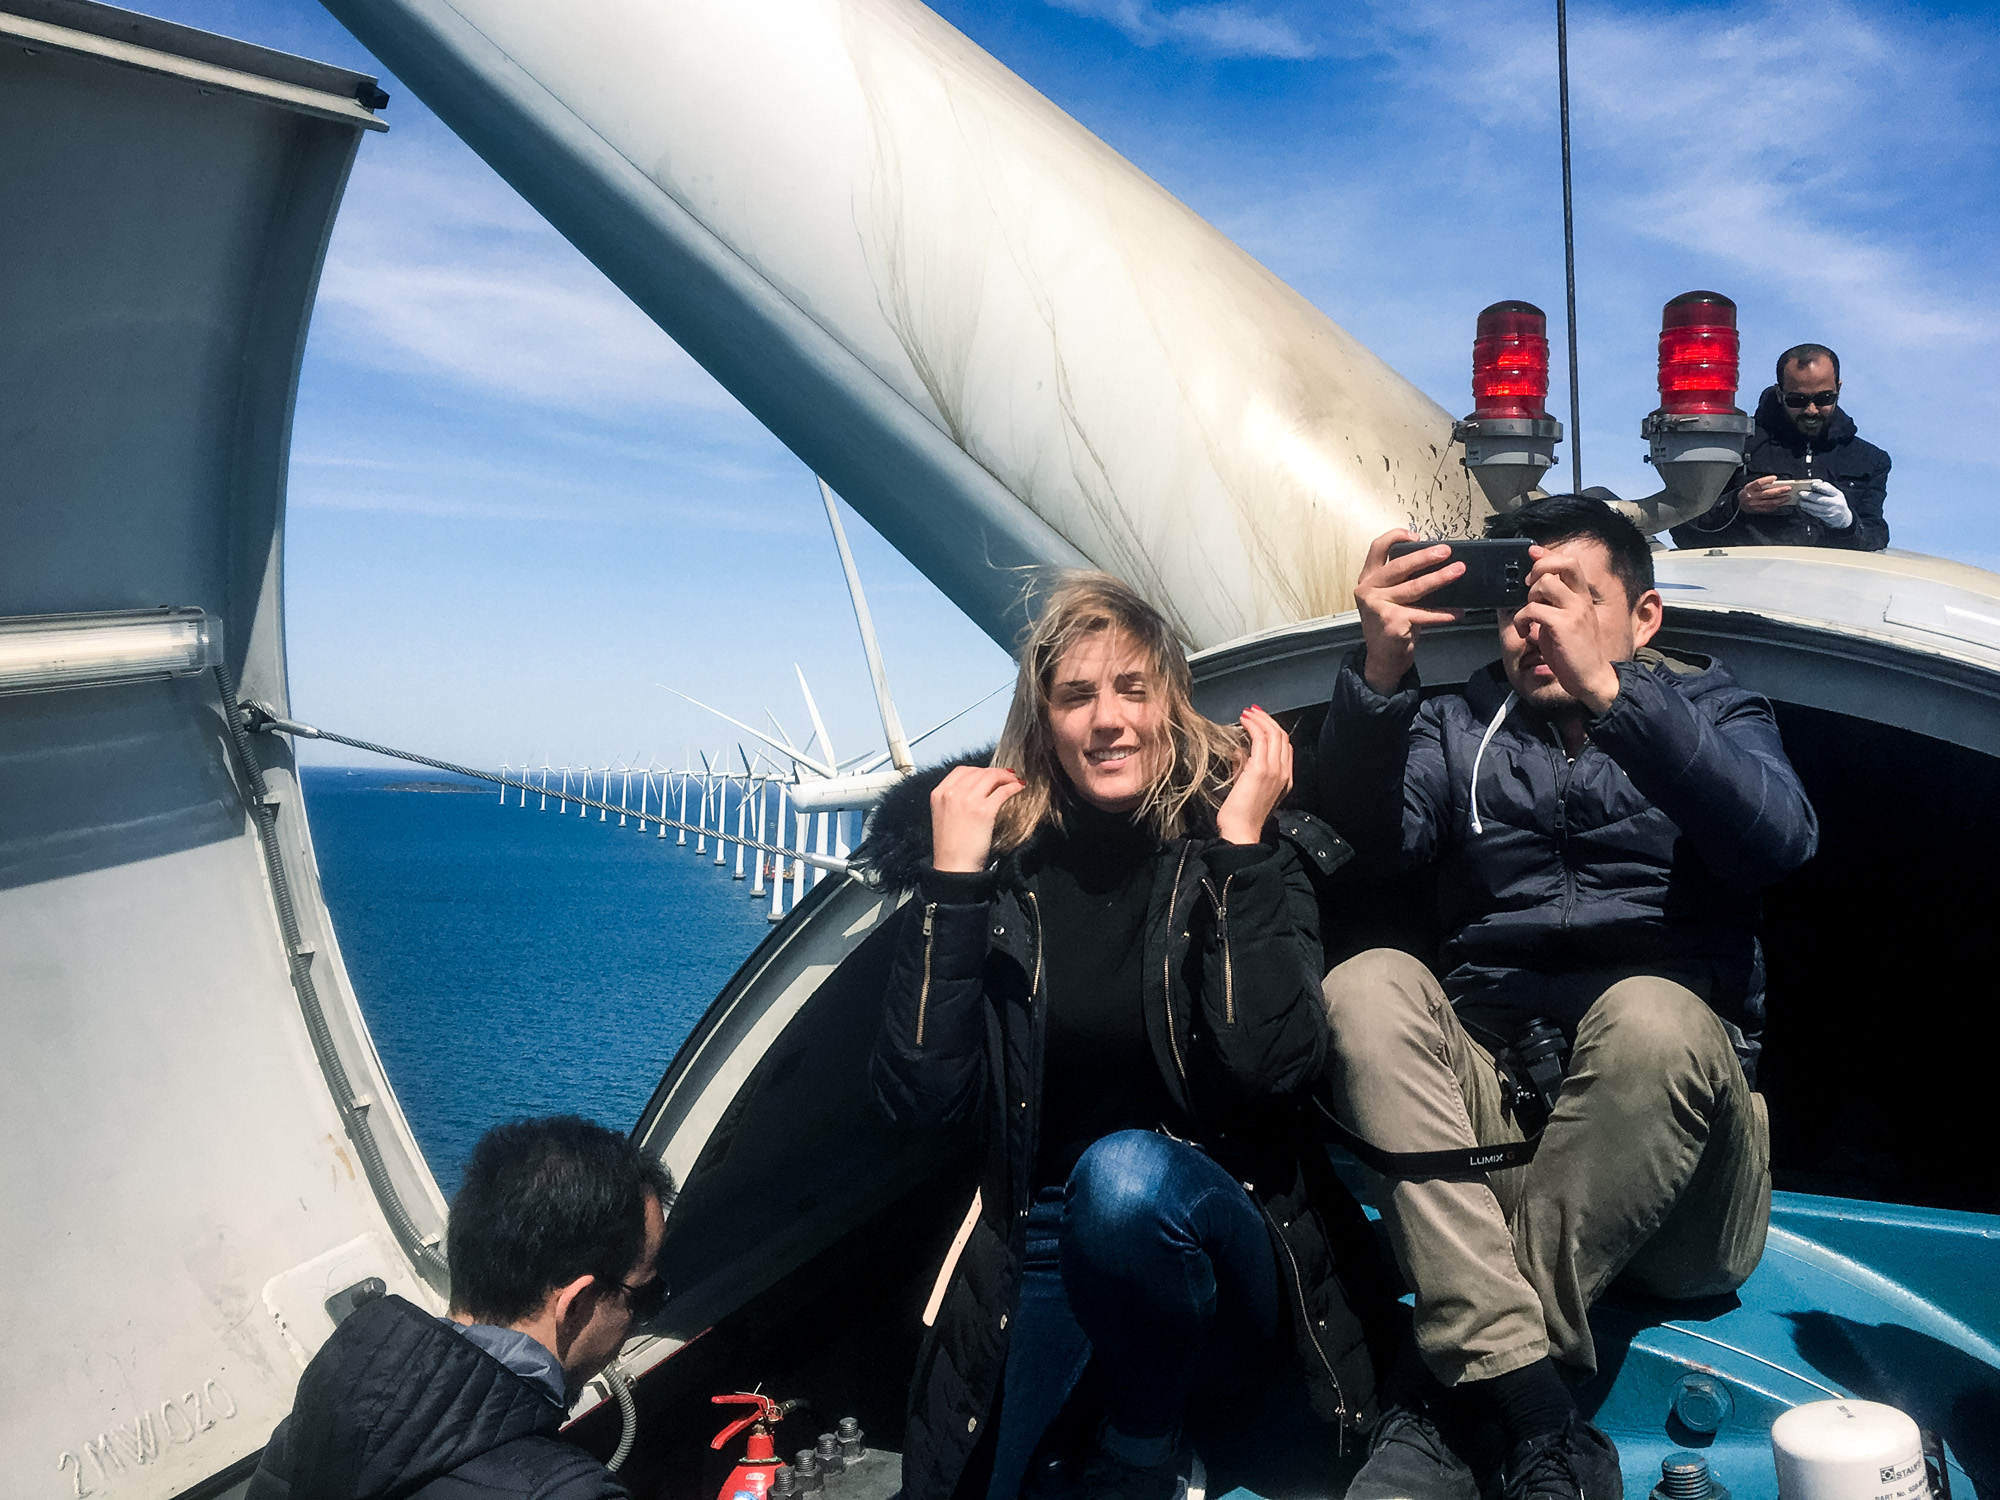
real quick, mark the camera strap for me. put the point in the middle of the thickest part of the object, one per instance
(1457, 1161)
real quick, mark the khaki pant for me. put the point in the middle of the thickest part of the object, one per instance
(1655, 1167)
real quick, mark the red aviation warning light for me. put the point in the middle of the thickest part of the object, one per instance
(1699, 352)
(1510, 439)
(1697, 437)
(1510, 362)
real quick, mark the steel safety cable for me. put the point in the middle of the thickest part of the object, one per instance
(353, 1107)
(265, 722)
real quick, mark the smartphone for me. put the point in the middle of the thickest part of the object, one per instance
(1495, 576)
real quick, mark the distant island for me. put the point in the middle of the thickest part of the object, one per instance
(436, 786)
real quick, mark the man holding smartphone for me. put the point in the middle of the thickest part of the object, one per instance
(1808, 480)
(1601, 819)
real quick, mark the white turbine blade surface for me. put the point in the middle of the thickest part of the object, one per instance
(819, 725)
(1005, 343)
(892, 725)
(787, 749)
(947, 723)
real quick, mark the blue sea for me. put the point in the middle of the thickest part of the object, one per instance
(517, 962)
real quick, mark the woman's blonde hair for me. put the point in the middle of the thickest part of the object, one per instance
(1202, 755)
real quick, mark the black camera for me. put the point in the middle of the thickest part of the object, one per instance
(1531, 1072)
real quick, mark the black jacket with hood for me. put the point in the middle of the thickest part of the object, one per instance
(1838, 455)
(395, 1404)
(1647, 854)
(1238, 1032)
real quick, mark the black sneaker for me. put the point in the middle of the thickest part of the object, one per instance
(1109, 1477)
(1410, 1459)
(1578, 1463)
(1053, 1477)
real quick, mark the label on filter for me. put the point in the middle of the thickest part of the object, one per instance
(1905, 1481)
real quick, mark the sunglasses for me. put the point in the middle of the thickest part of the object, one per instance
(643, 1301)
(1799, 400)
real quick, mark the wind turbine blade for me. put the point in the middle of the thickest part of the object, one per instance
(819, 724)
(945, 723)
(892, 725)
(787, 749)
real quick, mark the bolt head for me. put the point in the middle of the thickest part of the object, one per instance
(1702, 1403)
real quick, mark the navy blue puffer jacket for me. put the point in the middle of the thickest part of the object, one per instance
(396, 1406)
(1839, 455)
(1647, 854)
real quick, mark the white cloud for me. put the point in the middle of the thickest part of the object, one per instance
(1796, 154)
(458, 485)
(1831, 170)
(438, 270)
(1222, 30)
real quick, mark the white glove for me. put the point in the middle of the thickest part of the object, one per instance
(1827, 505)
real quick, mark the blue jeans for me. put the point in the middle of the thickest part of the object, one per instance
(1156, 1261)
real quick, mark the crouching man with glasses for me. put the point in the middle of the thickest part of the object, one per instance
(552, 1243)
(1807, 480)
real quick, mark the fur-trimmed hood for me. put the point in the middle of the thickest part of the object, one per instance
(897, 850)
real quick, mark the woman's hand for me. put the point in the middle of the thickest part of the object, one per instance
(1262, 779)
(963, 808)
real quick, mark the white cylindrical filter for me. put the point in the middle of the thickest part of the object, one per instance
(1849, 1450)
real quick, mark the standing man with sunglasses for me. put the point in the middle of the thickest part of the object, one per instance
(552, 1245)
(1807, 479)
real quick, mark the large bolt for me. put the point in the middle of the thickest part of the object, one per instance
(784, 1481)
(1684, 1476)
(831, 1460)
(1702, 1403)
(807, 1465)
(852, 1440)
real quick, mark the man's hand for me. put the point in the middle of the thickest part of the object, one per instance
(1562, 624)
(1390, 597)
(963, 809)
(1262, 779)
(1826, 504)
(1763, 495)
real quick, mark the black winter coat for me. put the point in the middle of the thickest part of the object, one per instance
(396, 1404)
(1859, 470)
(1647, 854)
(1238, 1031)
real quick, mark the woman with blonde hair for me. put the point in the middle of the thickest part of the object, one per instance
(1111, 963)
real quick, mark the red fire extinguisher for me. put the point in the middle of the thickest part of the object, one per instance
(751, 1478)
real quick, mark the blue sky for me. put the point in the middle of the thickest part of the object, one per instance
(516, 506)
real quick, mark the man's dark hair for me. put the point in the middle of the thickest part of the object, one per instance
(544, 1202)
(1805, 354)
(1564, 518)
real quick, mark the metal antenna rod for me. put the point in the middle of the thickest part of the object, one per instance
(1569, 250)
